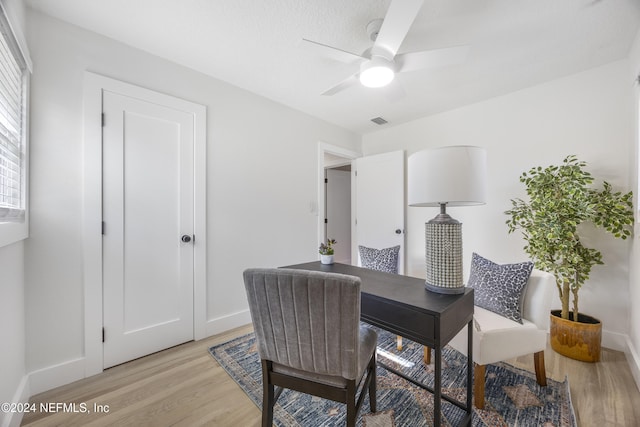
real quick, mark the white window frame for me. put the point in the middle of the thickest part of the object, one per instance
(12, 231)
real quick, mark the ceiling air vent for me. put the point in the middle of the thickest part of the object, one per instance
(379, 121)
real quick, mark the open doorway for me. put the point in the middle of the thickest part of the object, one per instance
(335, 204)
(337, 210)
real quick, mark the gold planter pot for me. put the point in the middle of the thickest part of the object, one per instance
(577, 340)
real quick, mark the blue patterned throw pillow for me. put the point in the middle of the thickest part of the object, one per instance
(380, 259)
(499, 288)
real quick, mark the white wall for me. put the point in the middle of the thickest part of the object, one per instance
(262, 182)
(633, 351)
(586, 114)
(13, 379)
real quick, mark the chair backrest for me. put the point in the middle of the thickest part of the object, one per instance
(538, 298)
(306, 320)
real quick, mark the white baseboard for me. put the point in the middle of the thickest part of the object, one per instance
(614, 340)
(22, 394)
(57, 375)
(225, 323)
(73, 370)
(633, 359)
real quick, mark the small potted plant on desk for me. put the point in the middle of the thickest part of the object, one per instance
(326, 251)
(560, 200)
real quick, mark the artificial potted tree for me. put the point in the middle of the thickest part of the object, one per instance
(561, 201)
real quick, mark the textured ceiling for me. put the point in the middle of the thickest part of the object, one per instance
(254, 44)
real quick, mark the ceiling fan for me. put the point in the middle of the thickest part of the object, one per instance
(380, 63)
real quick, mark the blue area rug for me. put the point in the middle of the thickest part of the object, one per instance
(512, 395)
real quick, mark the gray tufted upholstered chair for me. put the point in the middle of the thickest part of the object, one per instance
(309, 338)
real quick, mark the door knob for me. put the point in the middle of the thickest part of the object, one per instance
(186, 238)
(398, 231)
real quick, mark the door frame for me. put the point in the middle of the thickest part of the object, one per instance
(93, 86)
(349, 156)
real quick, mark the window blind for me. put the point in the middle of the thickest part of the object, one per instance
(13, 74)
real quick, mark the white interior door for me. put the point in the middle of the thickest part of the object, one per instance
(380, 203)
(148, 202)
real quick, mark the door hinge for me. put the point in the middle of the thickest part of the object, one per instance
(102, 119)
(102, 334)
(103, 227)
(326, 180)
(326, 221)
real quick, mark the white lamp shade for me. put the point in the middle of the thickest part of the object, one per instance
(455, 175)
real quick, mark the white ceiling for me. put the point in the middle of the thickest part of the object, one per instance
(254, 44)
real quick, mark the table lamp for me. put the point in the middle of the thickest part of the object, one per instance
(446, 176)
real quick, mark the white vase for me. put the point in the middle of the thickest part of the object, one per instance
(326, 259)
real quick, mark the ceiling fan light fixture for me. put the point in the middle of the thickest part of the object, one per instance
(377, 72)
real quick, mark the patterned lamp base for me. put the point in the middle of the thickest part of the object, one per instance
(443, 251)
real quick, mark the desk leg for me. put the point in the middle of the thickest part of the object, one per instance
(470, 370)
(437, 387)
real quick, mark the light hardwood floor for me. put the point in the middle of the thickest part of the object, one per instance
(184, 386)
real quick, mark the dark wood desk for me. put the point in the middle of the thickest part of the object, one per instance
(402, 305)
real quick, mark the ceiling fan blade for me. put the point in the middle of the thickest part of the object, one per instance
(345, 84)
(431, 58)
(396, 25)
(330, 52)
